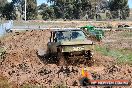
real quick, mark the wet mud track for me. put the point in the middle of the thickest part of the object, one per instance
(22, 64)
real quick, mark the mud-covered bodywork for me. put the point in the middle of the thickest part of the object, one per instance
(69, 43)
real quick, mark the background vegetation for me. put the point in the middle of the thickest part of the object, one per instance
(65, 9)
(120, 55)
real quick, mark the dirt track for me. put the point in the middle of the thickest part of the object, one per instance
(23, 66)
(66, 24)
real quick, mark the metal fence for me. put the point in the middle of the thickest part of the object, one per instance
(5, 27)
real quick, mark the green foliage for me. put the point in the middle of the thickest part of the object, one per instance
(125, 12)
(46, 11)
(108, 15)
(31, 9)
(66, 9)
(8, 11)
(2, 4)
(120, 55)
(117, 4)
(77, 9)
(71, 9)
(115, 14)
(119, 8)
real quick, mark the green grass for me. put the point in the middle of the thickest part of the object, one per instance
(126, 34)
(120, 55)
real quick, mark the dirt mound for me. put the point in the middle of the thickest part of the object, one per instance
(22, 65)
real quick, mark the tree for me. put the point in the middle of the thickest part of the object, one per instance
(42, 6)
(77, 12)
(125, 12)
(63, 8)
(2, 5)
(20, 4)
(31, 8)
(46, 11)
(120, 7)
(103, 6)
(8, 11)
(71, 9)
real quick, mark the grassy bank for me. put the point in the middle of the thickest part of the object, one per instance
(126, 35)
(122, 56)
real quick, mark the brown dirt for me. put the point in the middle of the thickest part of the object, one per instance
(22, 65)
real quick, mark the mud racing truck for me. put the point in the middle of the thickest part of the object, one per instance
(70, 46)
